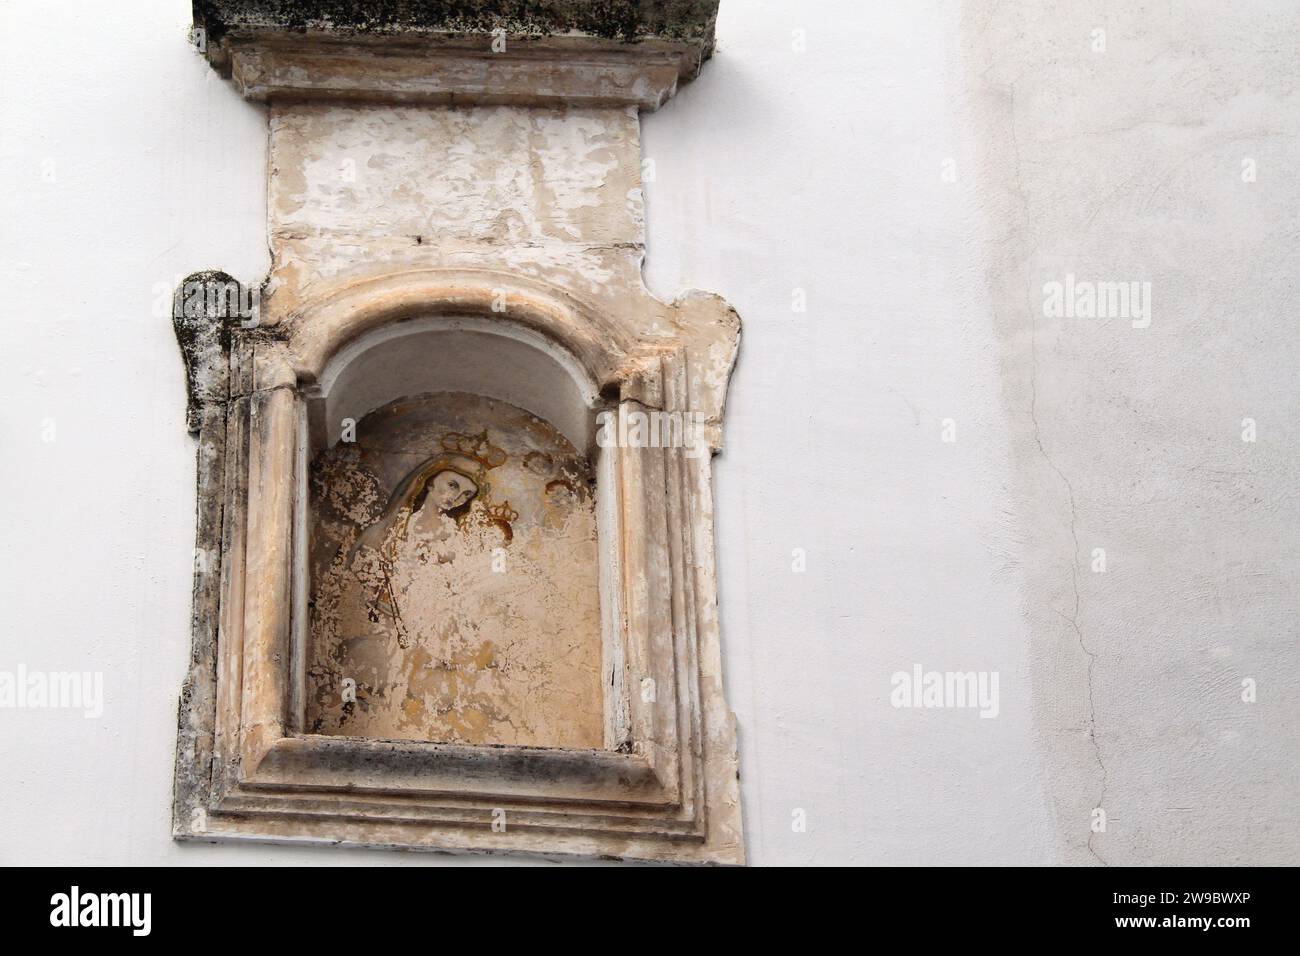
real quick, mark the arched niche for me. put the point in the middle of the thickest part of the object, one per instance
(646, 775)
(342, 334)
(448, 570)
(499, 360)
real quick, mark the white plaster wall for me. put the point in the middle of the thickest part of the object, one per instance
(129, 163)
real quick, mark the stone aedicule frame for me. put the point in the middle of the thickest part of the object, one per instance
(665, 787)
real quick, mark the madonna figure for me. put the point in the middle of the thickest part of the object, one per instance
(444, 495)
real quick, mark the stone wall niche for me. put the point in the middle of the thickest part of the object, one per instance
(444, 598)
(451, 552)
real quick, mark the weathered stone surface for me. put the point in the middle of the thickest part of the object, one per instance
(553, 52)
(202, 325)
(582, 685)
(628, 20)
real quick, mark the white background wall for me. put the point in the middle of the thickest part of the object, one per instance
(129, 164)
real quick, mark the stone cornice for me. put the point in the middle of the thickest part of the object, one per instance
(493, 53)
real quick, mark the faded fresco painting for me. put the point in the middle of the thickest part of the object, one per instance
(454, 588)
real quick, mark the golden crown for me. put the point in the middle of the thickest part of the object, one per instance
(476, 447)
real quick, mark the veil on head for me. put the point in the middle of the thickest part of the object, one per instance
(470, 456)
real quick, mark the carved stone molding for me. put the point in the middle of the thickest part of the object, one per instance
(551, 53)
(435, 265)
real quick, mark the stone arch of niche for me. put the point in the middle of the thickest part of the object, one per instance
(643, 794)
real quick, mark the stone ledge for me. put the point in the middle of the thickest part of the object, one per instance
(507, 52)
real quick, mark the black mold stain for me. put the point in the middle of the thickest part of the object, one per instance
(628, 20)
(204, 341)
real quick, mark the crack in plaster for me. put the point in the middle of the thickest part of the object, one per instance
(1073, 618)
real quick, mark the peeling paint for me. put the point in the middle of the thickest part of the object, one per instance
(473, 619)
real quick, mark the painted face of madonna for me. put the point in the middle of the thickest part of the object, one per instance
(450, 490)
